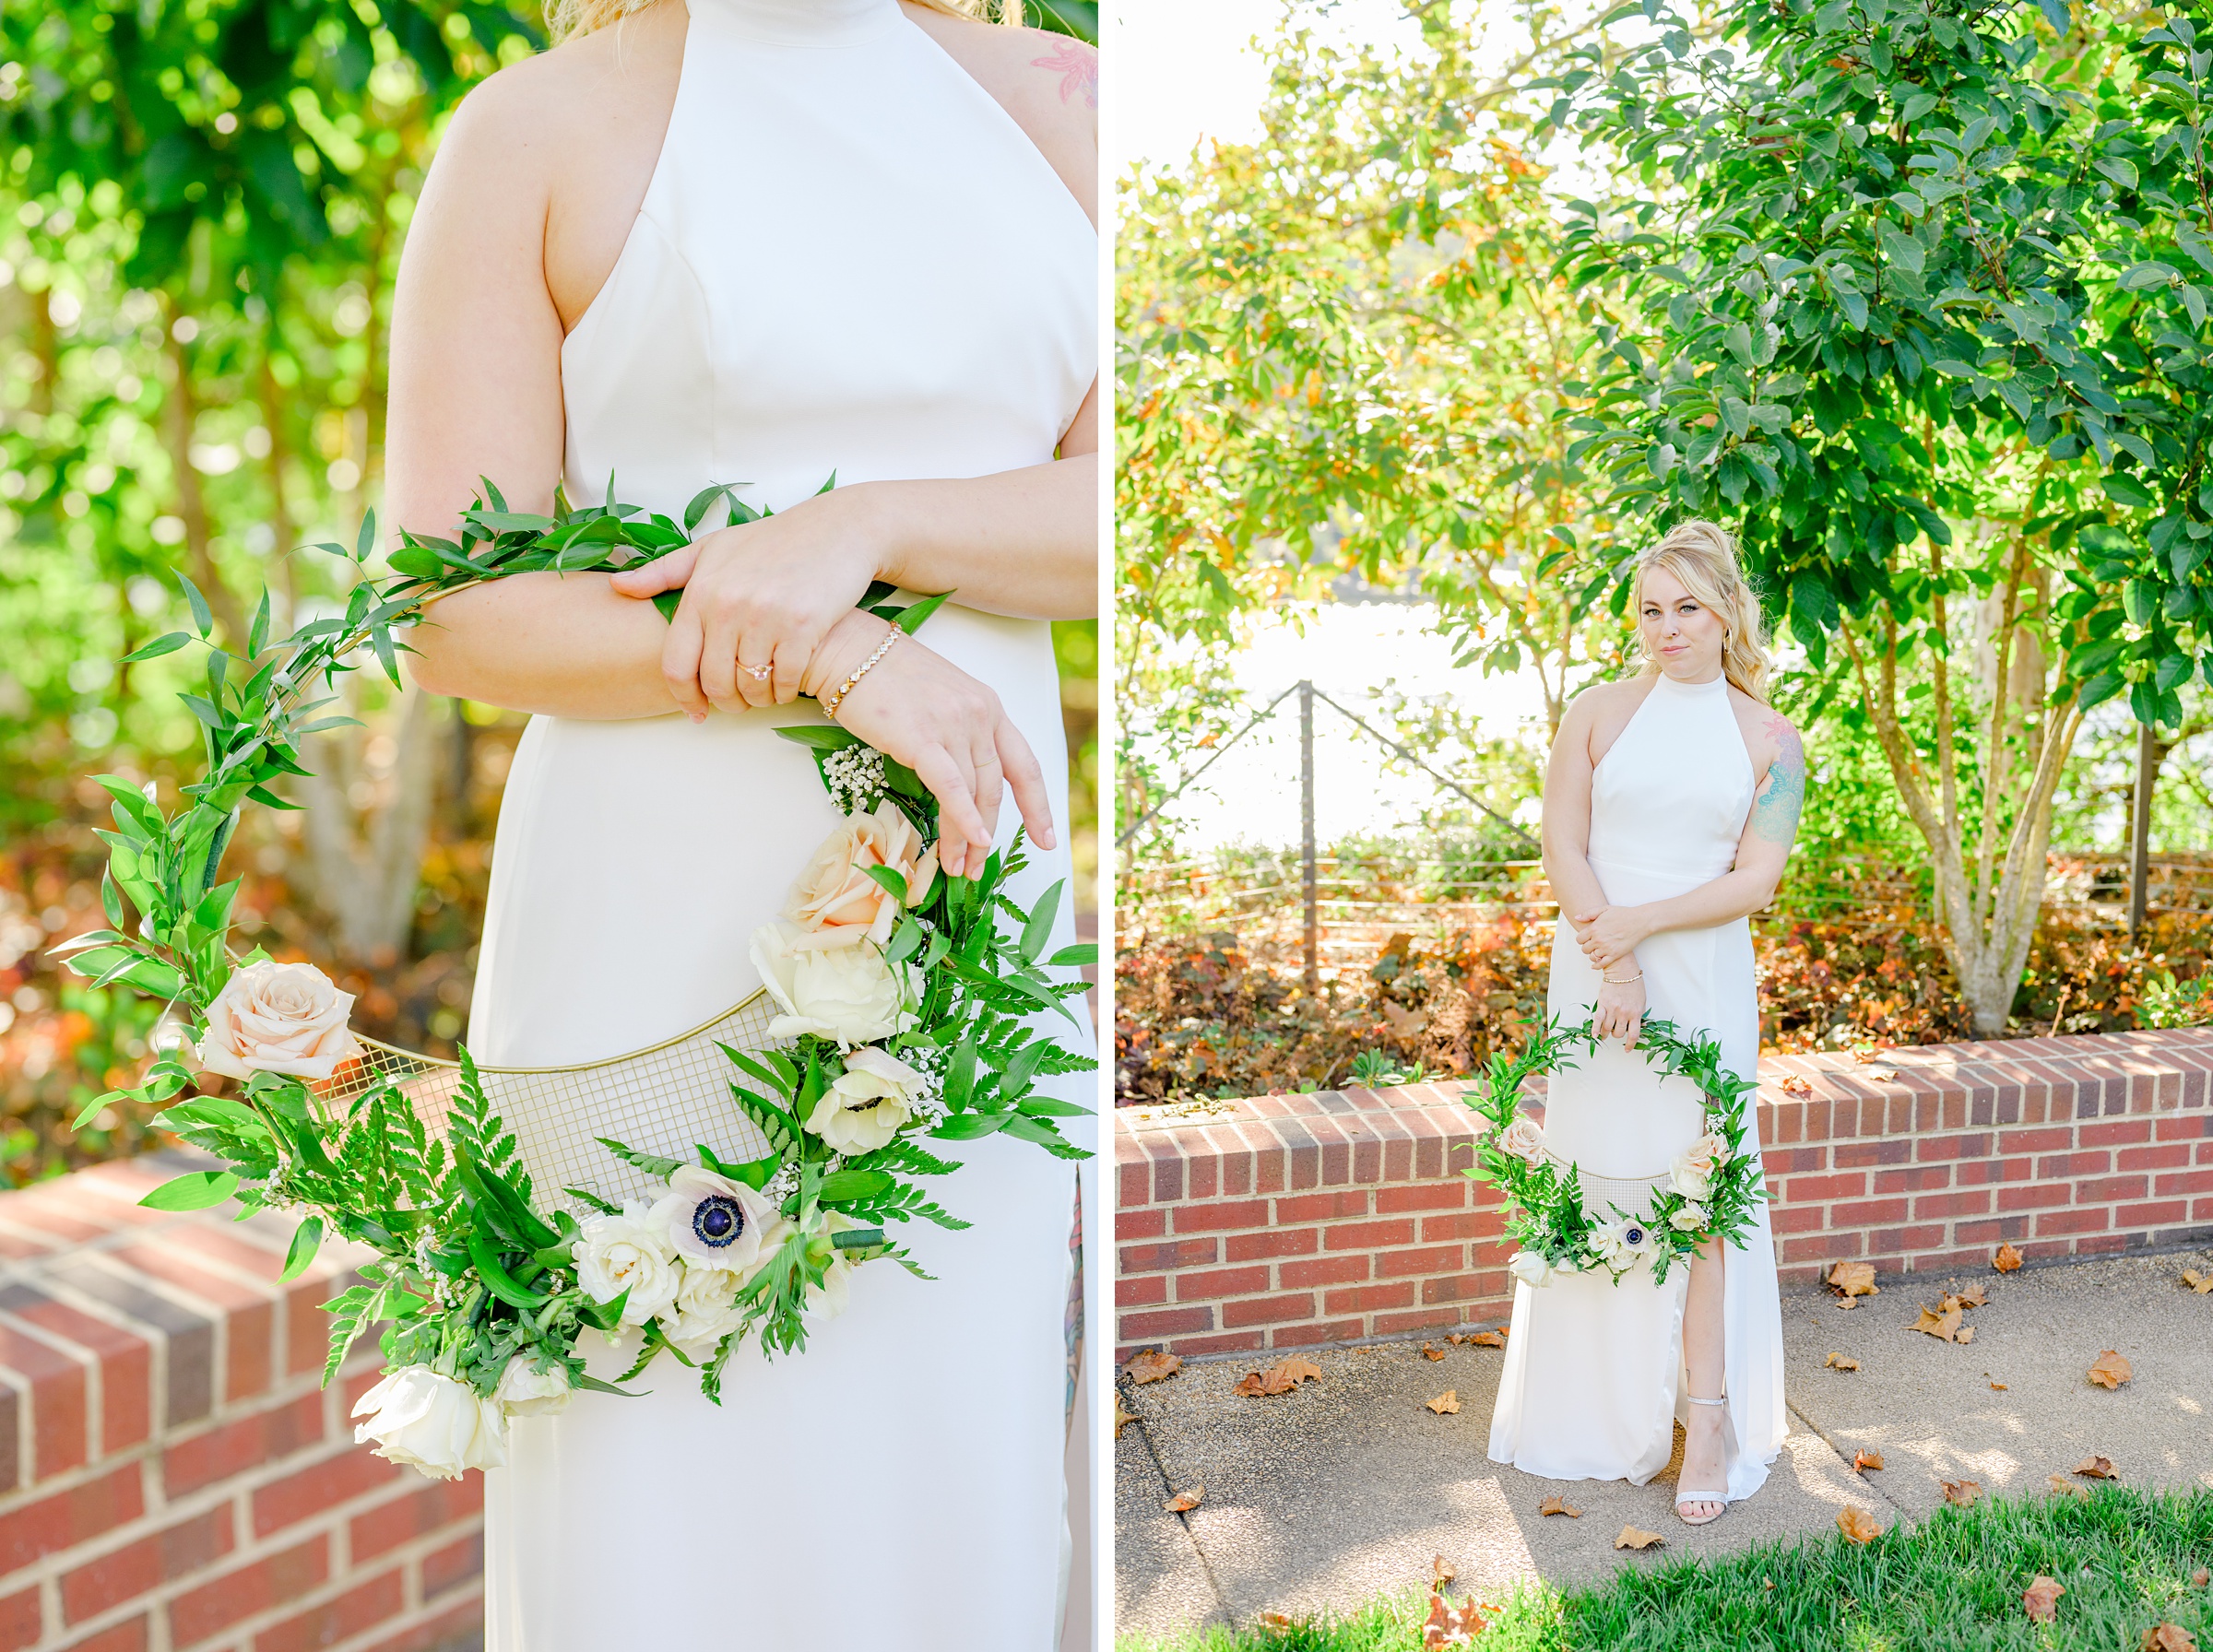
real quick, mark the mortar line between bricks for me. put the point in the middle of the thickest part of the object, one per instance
(1206, 1567)
(1821, 1433)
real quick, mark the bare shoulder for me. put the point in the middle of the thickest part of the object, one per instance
(531, 121)
(1599, 714)
(1047, 83)
(1769, 736)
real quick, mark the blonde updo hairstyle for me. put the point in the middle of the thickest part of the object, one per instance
(1702, 557)
(565, 20)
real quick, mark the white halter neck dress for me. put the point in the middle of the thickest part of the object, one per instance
(1593, 1377)
(849, 259)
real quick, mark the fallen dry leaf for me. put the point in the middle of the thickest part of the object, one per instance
(2041, 1597)
(2063, 1487)
(1631, 1538)
(1440, 1572)
(1966, 1333)
(1184, 1502)
(1962, 1493)
(1451, 1625)
(1864, 1461)
(2111, 1370)
(1999, 1387)
(1150, 1365)
(1279, 1378)
(1432, 1354)
(1854, 1279)
(1976, 1295)
(1560, 1506)
(2201, 1578)
(2095, 1467)
(1943, 1327)
(1849, 1304)
(1883, 1075)
(1123, 1416)
(2199, 1282)
(2005, 1260)
(1445, 1404)
(1839, 1361)
(1796, 1086)
(1857, 1524)
(2168, 1637)
(1281, 1619)
(1489, 1339)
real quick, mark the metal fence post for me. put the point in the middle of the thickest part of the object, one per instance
(1306, 833)
(2139, 833)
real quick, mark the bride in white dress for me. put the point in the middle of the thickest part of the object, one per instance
(759, 241)
(1669, 804)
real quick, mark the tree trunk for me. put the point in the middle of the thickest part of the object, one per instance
(180, 413)
(1988, 905)
(364, 857)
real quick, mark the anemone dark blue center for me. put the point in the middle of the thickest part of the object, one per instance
(1634, 1235)
(717, 1221)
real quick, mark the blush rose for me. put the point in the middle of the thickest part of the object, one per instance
(279, 1018)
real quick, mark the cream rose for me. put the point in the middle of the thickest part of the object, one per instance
(1692, 1173)
(527, 1393)
(712, 1222)
(865, 1107)
(836, 904)
(431, 1423)
(1530, 1268)
(631, 1253)
(1524, 1138)
(277, 1018)
(849, 994)
(1690, 1219)
(705, 1312)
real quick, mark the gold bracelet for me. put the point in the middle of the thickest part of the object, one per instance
(837, 698)
(1631, 981)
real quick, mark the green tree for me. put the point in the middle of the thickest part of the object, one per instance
(1340, 350)
(1917, 292)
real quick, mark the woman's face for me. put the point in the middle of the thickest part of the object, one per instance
(1681, 633)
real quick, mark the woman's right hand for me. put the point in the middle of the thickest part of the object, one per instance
(1620, 1011)
(918, 707)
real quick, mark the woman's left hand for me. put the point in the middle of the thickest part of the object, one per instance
(759, 599)
(1610, 934)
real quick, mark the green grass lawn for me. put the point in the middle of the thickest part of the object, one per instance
(1952, 1581)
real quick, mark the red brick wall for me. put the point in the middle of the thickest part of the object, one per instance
(1286, 1220)
(172, 1477)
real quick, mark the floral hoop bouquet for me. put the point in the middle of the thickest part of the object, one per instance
(903, 1016)
(1711, 1188)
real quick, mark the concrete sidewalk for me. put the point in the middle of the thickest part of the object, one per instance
(1347, 1488)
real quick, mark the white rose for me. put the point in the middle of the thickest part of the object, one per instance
(865, 1107)
(431, 1423)
(828, 1300)
(705, 1312)
(527, 1393)
(711, 1220)
(849, 994)
(629, 1252)
(1690, 1219)
(1524, 1138)
(1530, 1268)
(836, 904)
(279, 1018)
(1692, 1173)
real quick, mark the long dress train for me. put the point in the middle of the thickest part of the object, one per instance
(1593, 1378)
(849, 259)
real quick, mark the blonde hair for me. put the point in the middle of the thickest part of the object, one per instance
(565, 20)
(1702, 556)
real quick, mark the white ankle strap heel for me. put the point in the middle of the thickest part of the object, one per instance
(1720, 1496)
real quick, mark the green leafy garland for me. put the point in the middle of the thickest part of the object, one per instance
(1546, 1213)
(486, 1288)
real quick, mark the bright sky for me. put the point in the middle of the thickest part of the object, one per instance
(1184, 68)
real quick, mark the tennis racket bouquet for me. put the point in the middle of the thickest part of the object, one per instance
(910, 1014)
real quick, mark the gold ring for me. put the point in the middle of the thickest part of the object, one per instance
(758, 673)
